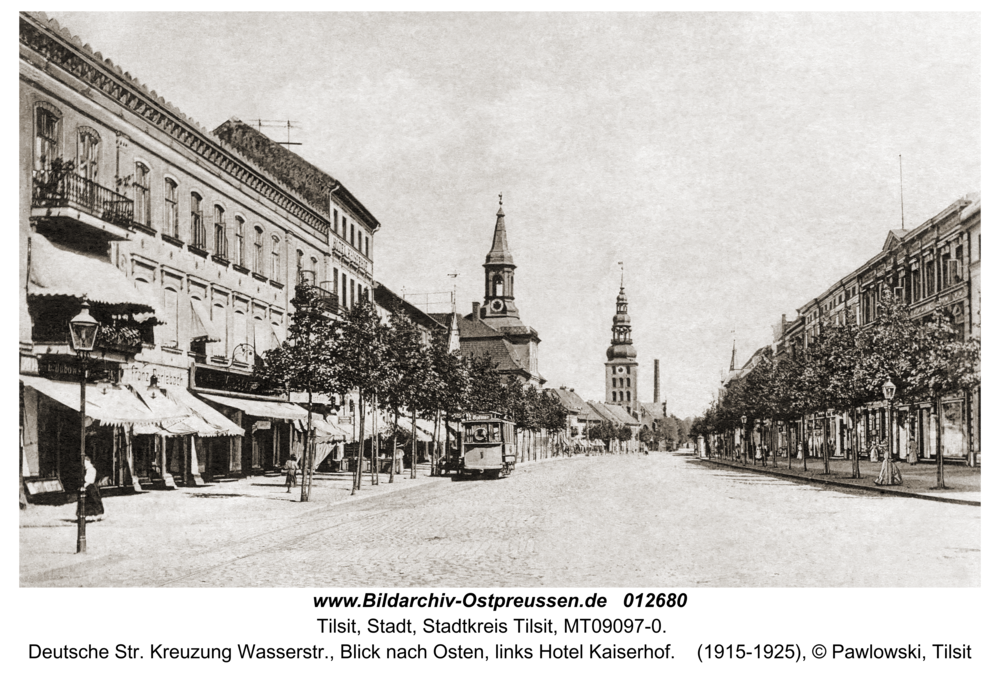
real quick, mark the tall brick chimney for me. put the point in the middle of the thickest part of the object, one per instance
(475, 312)
(656, 381)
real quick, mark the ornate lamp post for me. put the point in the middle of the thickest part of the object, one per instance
(83, 335)
(889, 475)
(743, 438)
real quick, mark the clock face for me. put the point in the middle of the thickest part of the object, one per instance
(496, 305)
(620, 369)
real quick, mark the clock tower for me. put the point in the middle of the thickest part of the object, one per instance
(621, 371)
(499, 307)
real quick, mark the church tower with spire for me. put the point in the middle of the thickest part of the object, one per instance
(621, 371)
(499, 309)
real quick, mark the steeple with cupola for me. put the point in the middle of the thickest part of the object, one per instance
(621, 371)
(499, 308)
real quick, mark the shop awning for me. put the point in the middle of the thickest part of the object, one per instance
(222, 426)
(278, 410)
(59, 271)
(202, 330)
(324, 429)
(174, 416)
(184, 414)
(107, 404)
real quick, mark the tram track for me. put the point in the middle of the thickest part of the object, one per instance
(387, 503)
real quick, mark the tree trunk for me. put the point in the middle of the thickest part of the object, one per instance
(361, 446)
(374, 466)
(395, 428)
(826, 451)
(306, 460)
(805, 446)
(413, 444)
(436, 452)
(855, 451)
(937, 442)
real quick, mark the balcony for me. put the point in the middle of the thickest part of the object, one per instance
(63, 195)
(325, 291)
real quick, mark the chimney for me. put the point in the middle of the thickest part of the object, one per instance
(475, 311)
(656, 381)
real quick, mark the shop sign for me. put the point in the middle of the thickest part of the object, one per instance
(69, 369)
(262, 425)
(138, 374)
(227, 381)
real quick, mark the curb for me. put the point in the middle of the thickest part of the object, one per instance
(841, 484)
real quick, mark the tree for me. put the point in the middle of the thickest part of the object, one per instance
(944, 362)
(451, 381)
(362, 352)
(307, 361)
(407, 363)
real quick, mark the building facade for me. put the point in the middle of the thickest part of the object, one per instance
(494, 329)
(934, 266)
(621, 370)
(187, 246)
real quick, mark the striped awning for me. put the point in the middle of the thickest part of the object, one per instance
(107, 404)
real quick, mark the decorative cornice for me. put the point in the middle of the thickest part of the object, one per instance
(60, 48)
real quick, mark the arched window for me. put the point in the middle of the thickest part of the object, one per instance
(221, 241)
(258, 250)
(198, 236)
(275, 257)
(140, 187)
(614, 396)
(497, 285)
(170, 208)
(47, 123)
(239, 232)
(628, 396)
(88, 152)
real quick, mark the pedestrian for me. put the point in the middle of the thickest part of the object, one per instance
(911, 451)
(291, 469)
(92, 504)
(799, 455)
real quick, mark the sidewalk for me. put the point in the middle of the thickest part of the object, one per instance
(919, 481)
(170, 523)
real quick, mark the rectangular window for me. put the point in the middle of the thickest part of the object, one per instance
(352, 234)
(352, 293)
(197, 225)
(336, 220)
(343, 227)
(141, 187)
(238, 244)
(221, 241)
(170, 208)
(343, 289)
(46, 139)
(366, 246)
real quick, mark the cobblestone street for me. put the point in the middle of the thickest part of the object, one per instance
(647, 521)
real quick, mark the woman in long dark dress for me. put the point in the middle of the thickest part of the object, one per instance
(92, 505)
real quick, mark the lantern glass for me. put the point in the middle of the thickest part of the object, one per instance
(83, 330)
(889, 390)
(743, 419)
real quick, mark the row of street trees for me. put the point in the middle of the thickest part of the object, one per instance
(394, 371)
(846, 367)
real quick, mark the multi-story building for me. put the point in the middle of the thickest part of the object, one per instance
(494, 329)
(132, 206)
(621, 370)
(934, 266)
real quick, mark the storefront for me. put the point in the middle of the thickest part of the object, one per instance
(51, 433)
(268, 431)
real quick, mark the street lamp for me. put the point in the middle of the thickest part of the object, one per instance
(83, 335)
(743, 438)
(889, 474)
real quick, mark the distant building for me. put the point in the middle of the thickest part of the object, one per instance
(495, 329)
(621, 371)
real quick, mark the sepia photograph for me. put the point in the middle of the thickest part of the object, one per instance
(446, 300)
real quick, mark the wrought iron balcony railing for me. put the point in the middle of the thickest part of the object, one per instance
(52, 191)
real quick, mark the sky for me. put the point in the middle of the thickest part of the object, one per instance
(737, 164)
